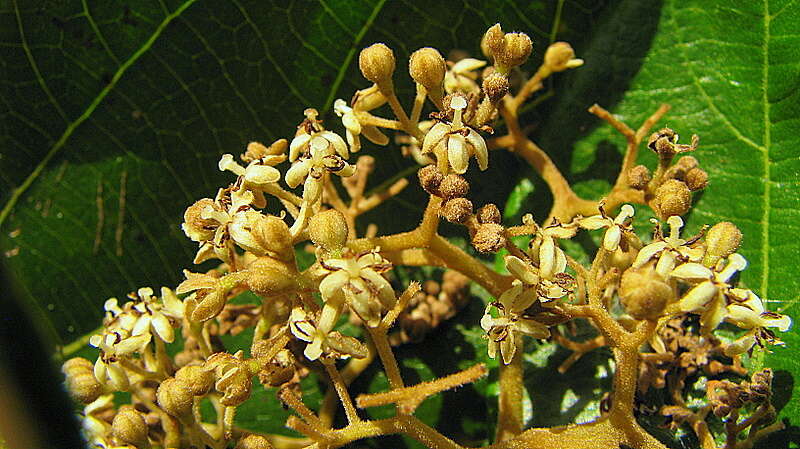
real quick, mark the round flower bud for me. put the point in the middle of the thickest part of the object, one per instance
(328, 229)
(430, 178)
(175, 397)
(253, 442)
(696, 179)
(489, 213)
(80, 380)
(129, 427)
(456, 210)
(508, 50)
(687, 162)
(194, 226)
(270, 277)
(495, 86)
(199, 379)
(638, 177)
(377, 64)
(489, 238)
(560, 56)
(722, 240)
(453, 186)
(427, 67)
(644, 294)
(672, 198)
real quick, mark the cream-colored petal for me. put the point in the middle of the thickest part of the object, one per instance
(163, 327)
(692, 272)
(204, 253)
(314, 349)
(533, 328)
(297, 173)
(330, 314)
(479, 148)
(434, 137)
(457, 153)
(741, 345)
(697, 298)
(332, 284)
(666, 263)
(312, 190)
(735, 264)
(467, 65)
(100, 371)
(521, 270)
(625, 212)
(172, 305)
(561, 231)
(547, 258)
(296, 146)
(648, 252)
(338, 143)
(261, 175)
(744, 317)
(374, 135)
(782, 322)
(142, 325)
(712, 317)
(132, 344)
(508, 347)
(118, 377)
(509, 296)
(386, 294)
(491, 348)
(612, 238)
(594, 222)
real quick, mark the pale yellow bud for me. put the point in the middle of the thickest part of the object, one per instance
(495, 86)
(199, 379)
(672, 198)
(638, 177)
(328, 229)
(722, 240)
(175, 397)
(130, 427)
(453, 186)
(80, 380)
(696, 179)
(507, 49)
(427, 67)
(644, 294)
(253, 442)
(430, 178)
(560, 56)
(377, 65)
(270, 277)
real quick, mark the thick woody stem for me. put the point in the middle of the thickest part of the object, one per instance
(509, 406)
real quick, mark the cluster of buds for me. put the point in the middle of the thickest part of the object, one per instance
(669, 189)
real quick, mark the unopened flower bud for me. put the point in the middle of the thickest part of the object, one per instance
(175, 397)
(328, 229)
(722, 240)
(453, 186)
(430, 178)
(427, 67)
(644, 294)
(262, 234)
(80, 380)
(253, 442)
(456, 210)
(638, 177)
(687, 162)
(495, 86)
(489, 213)
(129, 427)
(672, 198)
(199, 379)
(489, 238)
(508, 50)
(234, 379)
(696, 179)
(194, 225)
(377, 64)
(560, 56)
(270, 277)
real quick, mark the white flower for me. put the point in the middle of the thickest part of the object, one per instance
(544, 249)
(747, 311)
(357, 279)
(310, 129)
(669, 250)
(502, 331)
(321, 158)
(217, 241)
(115, 345)
(258, 173)
(321, 338)
(709, 295)
(462, 75)
(354, 129)
(614, 227)
(454, 143)
(157, 316)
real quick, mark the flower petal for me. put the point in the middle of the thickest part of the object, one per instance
(480, 150)
(521, 270)
(457, 153)
(261, 175)
(297, 145)
(697, 298)
(692, 272)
